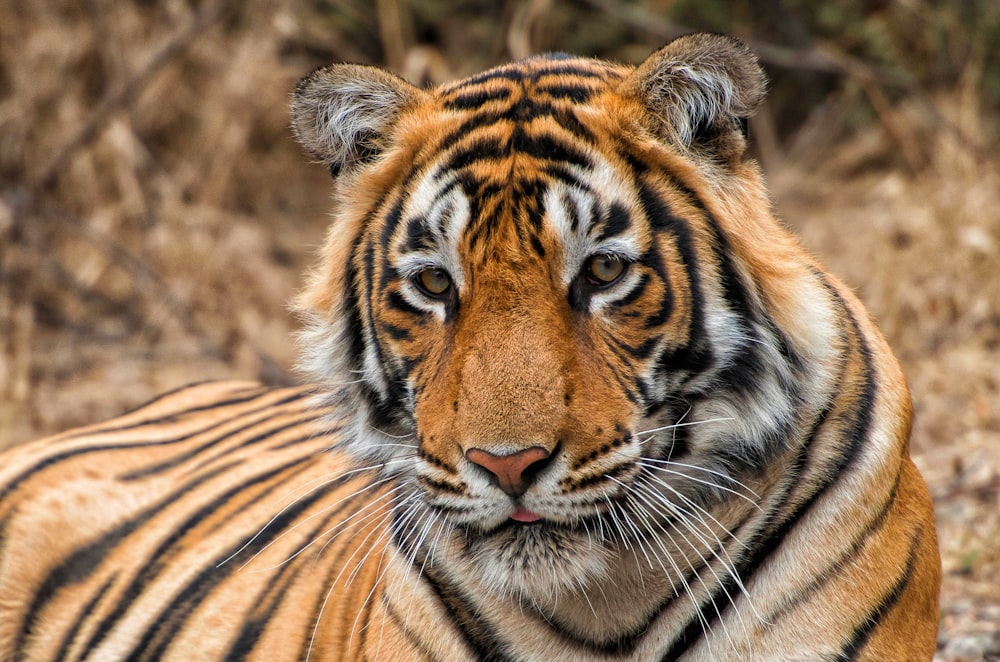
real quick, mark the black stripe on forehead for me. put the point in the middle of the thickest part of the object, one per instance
(422, 231)
(572, 211)
(540, 144)
(485, 118)
(547, 147)
(534, 68)
(542, 96)
(494, 134)
(476, 98)
(615, 222)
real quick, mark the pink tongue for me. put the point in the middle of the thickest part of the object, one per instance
(524, 515)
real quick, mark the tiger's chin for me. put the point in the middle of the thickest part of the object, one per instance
(538, 563)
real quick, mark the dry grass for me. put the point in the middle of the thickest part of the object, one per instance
(156, 215)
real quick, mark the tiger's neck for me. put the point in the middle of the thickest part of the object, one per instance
(443, 603)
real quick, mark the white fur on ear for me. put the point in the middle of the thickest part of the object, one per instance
(701, 86)
(341, 112)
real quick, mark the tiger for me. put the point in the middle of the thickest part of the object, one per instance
(574, 393)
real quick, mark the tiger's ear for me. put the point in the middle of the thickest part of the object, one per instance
(701, 88)
(341, 113)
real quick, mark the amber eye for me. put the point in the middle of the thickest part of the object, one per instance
(434, 282)
(605, 269)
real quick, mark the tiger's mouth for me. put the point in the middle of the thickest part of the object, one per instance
(524, 523)
(525, 516)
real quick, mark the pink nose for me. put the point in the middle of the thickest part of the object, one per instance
(515, 472)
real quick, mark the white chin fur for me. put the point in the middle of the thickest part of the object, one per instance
(538, 563)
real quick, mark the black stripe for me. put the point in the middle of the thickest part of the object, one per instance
(264, 606)
(561, 173)
(544, 65)
(642, 351)
(395, 332)
(115, 425)
(172, 417)
(568, 91)
(526, 110)
(567, 119)
(477, 634)
(735, 290)
(270, 600)
(845, 559)
(480, 636)
(536, 245)
(390, 224)
(696, 356)
(395, 300)
(383, 405)
(572, 210)
(635, 293)
(171, 393)
(859, 638)
(323, 429)
(418, 234)
(413, 638)
(618, 220)
(173, 616)
(81, 617)
(337, 567)
(463, 131)
(476, 98)
(157, 561)
(509, 72)
(765, 545)
(479, 149)
(576, 69)
(547, 147)
(654, 260)
(80, 565)
(212, 442)
(352, 310)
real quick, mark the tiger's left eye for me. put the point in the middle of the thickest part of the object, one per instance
(434, 282)
(605, 269)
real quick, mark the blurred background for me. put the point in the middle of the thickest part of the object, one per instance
(156, 215)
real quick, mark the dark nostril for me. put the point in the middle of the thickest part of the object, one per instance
(514, 472)
(533, 469)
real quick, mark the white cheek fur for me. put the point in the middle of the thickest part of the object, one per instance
(580, 243)
(445, 218)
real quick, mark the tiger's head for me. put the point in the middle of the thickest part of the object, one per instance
(558, 309)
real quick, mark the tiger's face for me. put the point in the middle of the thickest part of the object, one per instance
(525, 308)
(530, 296)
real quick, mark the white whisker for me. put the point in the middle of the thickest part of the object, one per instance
(725, 476)
(674, 426)
(329, 592)
(680, 575)
(727, 563)
(340, 523)
(683, 519)
(702, 481)
(271, 521)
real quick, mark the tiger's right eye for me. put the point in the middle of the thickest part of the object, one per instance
(434, 282)
(604, 269)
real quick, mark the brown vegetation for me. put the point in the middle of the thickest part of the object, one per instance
(156, 215)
